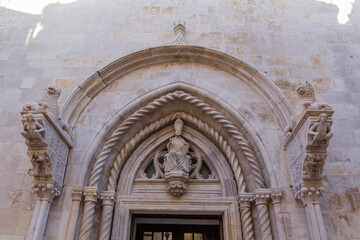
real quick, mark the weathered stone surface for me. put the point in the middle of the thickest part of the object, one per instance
(288, 42)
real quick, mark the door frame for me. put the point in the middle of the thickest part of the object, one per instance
(176, 224)
(126, 206)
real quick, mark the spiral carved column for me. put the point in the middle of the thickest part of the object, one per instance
(261, 197)
(91, 196)
(107, 214)
(245, 212)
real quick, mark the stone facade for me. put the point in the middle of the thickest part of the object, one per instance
(113, 58)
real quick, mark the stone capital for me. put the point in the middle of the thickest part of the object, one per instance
(77, 193)
(261, 196)
(309, 195)
(245, 200)
(276, 195)
(45, 191)
(91, 194)
(108, 197)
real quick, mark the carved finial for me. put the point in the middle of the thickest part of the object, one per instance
(179, 30)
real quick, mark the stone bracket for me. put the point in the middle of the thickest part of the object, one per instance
(48, 147)
(307, 153)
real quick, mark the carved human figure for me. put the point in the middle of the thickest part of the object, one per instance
(177, 162)
(177, 159)
(321, 130)
(33, 129)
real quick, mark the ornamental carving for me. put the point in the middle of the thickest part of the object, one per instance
(48, 144)
(319, 133)
(177, 163)
(306, 139)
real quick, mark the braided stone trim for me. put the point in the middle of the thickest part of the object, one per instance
(205, 128)
(232, 129)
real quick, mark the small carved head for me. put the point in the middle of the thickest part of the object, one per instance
(53, 90)
(178, 125)
(305, 90)
(30, 118)
(323, 117)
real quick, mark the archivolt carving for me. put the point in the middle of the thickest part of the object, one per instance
(206, 129)
(232, 129)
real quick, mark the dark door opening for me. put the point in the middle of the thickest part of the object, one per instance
(176, 228)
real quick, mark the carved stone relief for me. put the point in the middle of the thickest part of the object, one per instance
(48, 149)
(306, 140)
(176, 163)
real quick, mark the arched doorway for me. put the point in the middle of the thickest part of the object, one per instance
(117, 143)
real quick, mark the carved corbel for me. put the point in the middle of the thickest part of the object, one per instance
(306, 146)
(48, 146)
(47, 141)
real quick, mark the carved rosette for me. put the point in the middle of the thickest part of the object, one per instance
(177, 162)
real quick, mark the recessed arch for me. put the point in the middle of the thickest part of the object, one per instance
(175, 88)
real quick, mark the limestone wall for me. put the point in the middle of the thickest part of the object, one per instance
(288, 42)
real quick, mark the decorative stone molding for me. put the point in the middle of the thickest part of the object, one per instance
(81, 98)
(306, 144)
(179, 30)
(203, 127)
(48, 146)
(157, 103)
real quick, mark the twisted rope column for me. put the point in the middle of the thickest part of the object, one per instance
(245, 212)
(261, 196)
(206, 129)
(91, 196)
(108, 198)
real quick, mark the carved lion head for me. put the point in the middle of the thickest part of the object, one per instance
(305, 90)
(53, 90)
